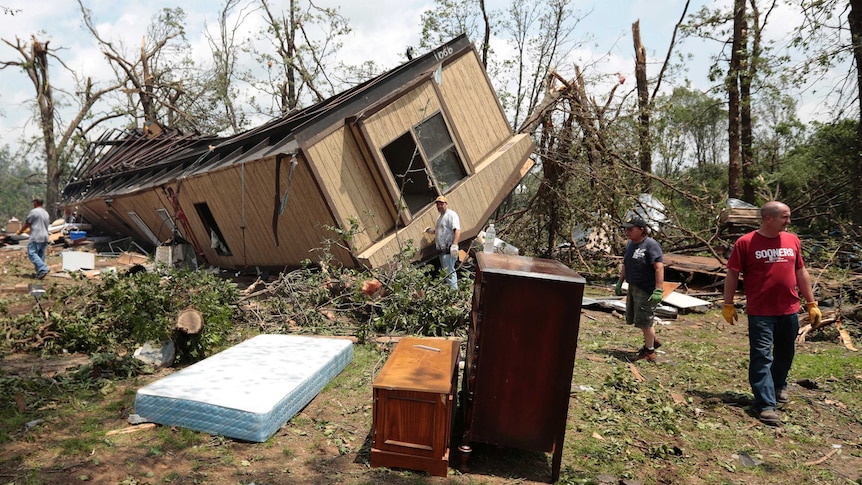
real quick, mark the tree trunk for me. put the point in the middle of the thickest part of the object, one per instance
(45, 100)
(487, 38)
(855, 21)
(733, 100)
(746, 74)
(645, 155)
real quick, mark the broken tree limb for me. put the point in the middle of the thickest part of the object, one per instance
(806, 328)
(131, 429)
(821, 460)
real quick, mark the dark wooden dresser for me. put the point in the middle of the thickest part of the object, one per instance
(414, 406)
(520, 354)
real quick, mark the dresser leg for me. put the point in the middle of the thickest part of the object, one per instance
(464, 454)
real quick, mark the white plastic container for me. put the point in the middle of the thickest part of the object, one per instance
(490, 237)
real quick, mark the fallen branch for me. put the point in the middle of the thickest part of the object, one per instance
(131, 429)
(807, 328)
(821, 460)
(633, 368)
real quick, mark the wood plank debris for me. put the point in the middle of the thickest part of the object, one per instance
(637, 373)
(741, 216)
(686, 302)
(694, 264)
(131, 429)
(131, 259)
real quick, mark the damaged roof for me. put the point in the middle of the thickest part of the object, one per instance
(124, 161)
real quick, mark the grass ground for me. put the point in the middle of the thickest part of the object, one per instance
(681, 420)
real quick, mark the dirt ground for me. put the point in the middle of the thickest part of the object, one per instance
(329, 440)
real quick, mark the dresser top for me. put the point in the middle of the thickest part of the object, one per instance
(420, 364)
(525, 266)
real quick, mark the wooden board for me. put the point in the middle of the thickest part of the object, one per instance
(694, 264)
(740, 216)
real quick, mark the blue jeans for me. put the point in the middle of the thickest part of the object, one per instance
(36, 253)
(447, 266)
(772, 345)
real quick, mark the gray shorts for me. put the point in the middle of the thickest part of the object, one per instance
(639, 311)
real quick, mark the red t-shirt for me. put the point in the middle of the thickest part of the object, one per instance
(769, 266)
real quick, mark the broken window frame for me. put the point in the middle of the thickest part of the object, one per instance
(145, 229)
(212, 229)
(167, 220)
(434, 155)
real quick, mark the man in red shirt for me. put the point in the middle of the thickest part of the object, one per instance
(770, 259)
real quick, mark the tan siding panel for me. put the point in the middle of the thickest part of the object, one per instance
(144, 204)
(473, 106)
(300, 228)
(396, 119)
(352, 190)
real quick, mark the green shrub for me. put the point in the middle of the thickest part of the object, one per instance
(122, 312)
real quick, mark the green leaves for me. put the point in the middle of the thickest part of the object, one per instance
(122, 312)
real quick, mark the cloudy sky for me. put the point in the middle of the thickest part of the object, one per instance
(381, 31)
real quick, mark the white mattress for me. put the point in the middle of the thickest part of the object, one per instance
(248, 391)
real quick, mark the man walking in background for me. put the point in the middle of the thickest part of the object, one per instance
(770, 259)
(37, 221)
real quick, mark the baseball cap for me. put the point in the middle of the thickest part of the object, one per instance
(441, 199)
(633, 221)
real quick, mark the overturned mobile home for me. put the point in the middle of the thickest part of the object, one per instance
(376, 155)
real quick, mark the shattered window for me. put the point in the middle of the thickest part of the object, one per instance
(440, 149)
(425, 170)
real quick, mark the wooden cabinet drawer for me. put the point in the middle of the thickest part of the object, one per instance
(414, 404)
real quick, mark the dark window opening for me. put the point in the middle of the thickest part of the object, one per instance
(423, 174)
(217, 241)
(411, 176)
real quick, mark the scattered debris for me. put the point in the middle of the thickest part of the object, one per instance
(156, 354)
(823, 459)
(746, 460)
(636, 373)
(34, 423)
(808, 384)
(137, 419)
(739, 215)
(131, 429)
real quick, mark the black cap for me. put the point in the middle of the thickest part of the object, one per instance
(634, 221)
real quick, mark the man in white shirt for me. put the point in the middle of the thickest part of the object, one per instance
(447, 235)
(37, 221)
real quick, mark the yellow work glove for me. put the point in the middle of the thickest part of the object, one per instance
(815, 318)
(656, 297)
(728, 311)
(618, 288)
(18, 232)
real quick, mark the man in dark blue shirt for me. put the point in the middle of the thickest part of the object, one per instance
(643, 269)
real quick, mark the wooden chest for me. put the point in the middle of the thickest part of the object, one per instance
(520, 354)
(414, 405)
